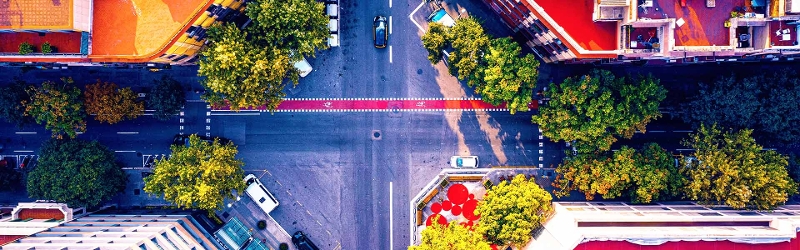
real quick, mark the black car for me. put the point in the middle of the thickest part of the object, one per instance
(379, 33)
(302, 242)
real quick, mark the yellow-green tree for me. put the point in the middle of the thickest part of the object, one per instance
(59, 107)
(729, 167)
(450, 237)
(110, 104)
(510, 211)
(506, 77)
(199, 176)
(435, 40)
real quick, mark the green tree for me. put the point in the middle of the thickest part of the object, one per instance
(469, 42)
(729, 167)
(25, 48)
(289, 25)
(511, 211)
(111, 104)
(767, 104)
(10, 178)
(77, 172)
(167, 98)
(240, 74)
(593, 109)
(47, 48)
(435, 40)
(59, 107)
(643, 176)
(450, 237)
(508, 77)
(11, 108)
(199, 176)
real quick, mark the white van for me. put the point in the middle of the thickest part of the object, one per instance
(304, 67)
(259, 194)
(464, 161)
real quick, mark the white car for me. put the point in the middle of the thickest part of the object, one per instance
(304, 67)
(464, 161)
(260, 194)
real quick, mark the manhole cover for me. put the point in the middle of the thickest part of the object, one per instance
(376, 135)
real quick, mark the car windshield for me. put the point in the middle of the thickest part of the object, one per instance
(460, 162)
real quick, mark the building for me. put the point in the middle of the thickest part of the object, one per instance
(678, 225)
(92, 32)
(30, 218)
(655, 31)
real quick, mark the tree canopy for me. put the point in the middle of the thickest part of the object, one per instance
(59, 107)
(450, 237)
(10, 178)
(79, 173)
(507, 77)
(730, 168)
(435, 40)
(591, 110)
(644, 176)
(111, 104)
(469, 42)
(510, 211)
(166, 98)
(289, 25)
(199, 176)
(11, 108)
(240, 74)
(767, 104)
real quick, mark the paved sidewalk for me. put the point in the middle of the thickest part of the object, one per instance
(249, 214)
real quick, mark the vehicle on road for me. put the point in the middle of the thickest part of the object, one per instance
(183, 140)
(441, 16)
(379, 33)
(302, 242)
(303, 66)
(260, 194)
(464, 161)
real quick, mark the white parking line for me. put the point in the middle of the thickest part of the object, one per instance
(127, 133)
(23, 151)
(390, 53)
(411, 16)
(391, 218)
(390, 22)
(123, 151)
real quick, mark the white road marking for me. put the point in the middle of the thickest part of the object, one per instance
(657, 131)
(123, 151)
(236, 114)
(391, 218)
(23, 151)
(390, 3)
(390, 21)
(390, 53)
(25, 133)
(127, 133)
(682, 131)
(411, 16)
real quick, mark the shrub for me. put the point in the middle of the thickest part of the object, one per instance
(25, 48)
(46, 48)
(261, 225)
(283, 246)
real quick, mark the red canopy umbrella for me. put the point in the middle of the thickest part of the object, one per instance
(469, 210)
(457, 193)
(494, 247)
(456, 210)
(441, 220)
(436, 207)
(446, 205)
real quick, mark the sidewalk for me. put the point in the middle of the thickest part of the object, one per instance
(249, 214)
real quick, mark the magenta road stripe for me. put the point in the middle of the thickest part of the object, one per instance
(321, 105)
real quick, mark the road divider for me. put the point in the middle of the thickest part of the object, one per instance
(391, 217)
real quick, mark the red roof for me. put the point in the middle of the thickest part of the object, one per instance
(41, 213)
(5, 239)
(794, 244)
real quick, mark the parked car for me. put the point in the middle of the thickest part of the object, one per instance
(302, 242)
(379, 33)
(260, 194)
(464, 161)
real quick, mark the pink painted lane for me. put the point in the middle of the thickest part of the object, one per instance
(385, 105)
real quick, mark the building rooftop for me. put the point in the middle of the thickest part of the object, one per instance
(137, 30)
(63, 42)
(576, 19)
(35, 14)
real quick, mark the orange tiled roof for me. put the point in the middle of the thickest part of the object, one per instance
(39, 213)
(35, 14)
(140, 30)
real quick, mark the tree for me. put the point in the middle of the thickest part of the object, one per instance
(729, 167)
(289, 25)
(469, 42)
(10, 178)
(11, 107)
(507, 77)
(59, 107)
(450, 237)
(240, 74)
(166, 98)
(593, 109)
(643, 176)
(510, 211)
(77, 172)
(47, 48)
(199, 176)
(25, 48)
(111, 104)
(766, 104)
(435, 40)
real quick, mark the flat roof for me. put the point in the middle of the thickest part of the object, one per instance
(576, 19)
(35, 14)
(703, 26)
(140, 30)
(64, 42)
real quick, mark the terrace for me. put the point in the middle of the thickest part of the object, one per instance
(698, 22)
(63, 42)
(783, 33)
